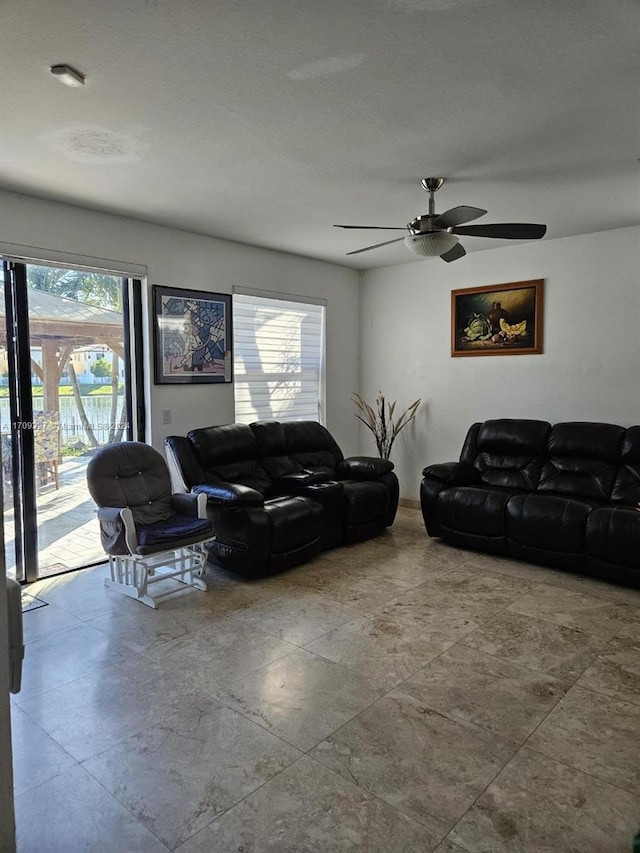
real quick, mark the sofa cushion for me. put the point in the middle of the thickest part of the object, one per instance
(582, 460)
(613, 536)
(626, 487)
(294, 522)
(508, 453)
(230, 453)
(539, 524)
(272, 447)
(312, 447)
(474, 509)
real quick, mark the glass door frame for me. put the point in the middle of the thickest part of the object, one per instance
(21, 403)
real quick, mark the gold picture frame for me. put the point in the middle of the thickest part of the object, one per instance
(499, 319)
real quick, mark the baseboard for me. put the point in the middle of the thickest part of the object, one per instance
(409, 502)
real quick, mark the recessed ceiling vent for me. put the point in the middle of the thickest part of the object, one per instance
(67, 75)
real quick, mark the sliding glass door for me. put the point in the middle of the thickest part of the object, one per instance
(70, 383)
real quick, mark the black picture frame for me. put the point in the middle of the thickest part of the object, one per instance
(192, 336)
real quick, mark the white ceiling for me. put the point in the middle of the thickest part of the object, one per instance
(266, 121)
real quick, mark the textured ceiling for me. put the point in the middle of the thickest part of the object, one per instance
(266, 121)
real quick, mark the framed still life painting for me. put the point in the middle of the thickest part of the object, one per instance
(192, 336)
(501, 319)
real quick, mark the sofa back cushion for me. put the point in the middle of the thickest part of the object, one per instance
(312, 446)
(582, 460)
(272, 447)
(507, 452)
(230, 454)
(626, 486)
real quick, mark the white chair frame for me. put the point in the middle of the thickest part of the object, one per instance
(132, 574)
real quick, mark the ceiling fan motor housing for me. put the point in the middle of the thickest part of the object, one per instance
(422, 224)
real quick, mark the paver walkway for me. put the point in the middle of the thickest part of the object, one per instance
(68, 534)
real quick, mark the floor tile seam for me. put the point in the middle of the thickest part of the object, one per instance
(54, 775)
(435, 832)
(373, 679)
(527, 745)
(457, 843)
(514, 743)
(599, 637)
(602, 695)
(155, 646)
(120, 803)
(48, 734)
(109, 794)
(329, 734)
(29, 697)
(544, 718)
(246, 715)
(460, 719)
(274, 636)
(606, 637)
(68, 610)
(615, 696)
(242, 799)
(495, 655)
(223, 680)
(50, 632)
(116, 663)
(130, 646)
(482, 792)
(633, 792)
(592, 593)
(178, 715)
(315, 637)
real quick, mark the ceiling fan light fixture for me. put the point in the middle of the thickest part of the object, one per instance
(432, 244)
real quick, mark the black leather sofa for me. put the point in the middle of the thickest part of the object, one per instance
(564, 495)
(280, 493)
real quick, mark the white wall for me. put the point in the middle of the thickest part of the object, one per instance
(589, 370)
(180, 259)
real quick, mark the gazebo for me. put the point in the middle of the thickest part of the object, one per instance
(57, 326)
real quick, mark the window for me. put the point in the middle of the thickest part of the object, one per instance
(278, 358)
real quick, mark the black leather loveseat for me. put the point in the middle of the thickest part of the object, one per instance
(279, 493)
(563, 495)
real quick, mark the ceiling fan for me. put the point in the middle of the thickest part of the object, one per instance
(436, 234)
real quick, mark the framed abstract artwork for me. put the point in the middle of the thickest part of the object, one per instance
(192, 336)
(501, 319)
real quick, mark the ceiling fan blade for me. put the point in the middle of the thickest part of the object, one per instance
(503, 230)
(375, 227)
(458, 215)
(453, 254)
(377, 246)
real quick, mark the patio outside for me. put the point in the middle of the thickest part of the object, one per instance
(68, 532)
(76, 346)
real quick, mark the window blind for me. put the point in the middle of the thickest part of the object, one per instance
(278, 359)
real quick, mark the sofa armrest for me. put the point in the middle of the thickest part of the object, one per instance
(299, 480)
(452, 474)
(230, 494)
(363, 467)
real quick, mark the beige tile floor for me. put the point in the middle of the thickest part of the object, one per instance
(398, 695)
